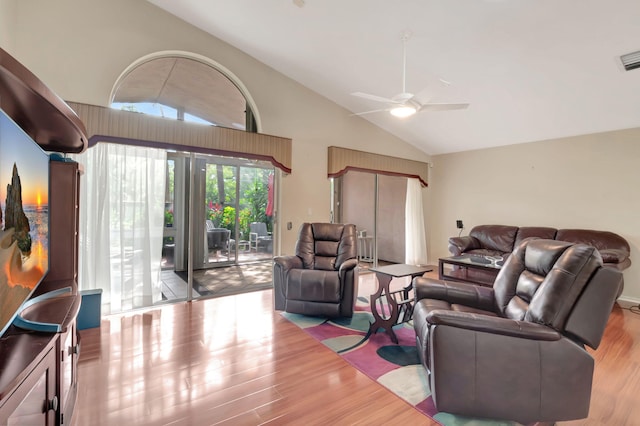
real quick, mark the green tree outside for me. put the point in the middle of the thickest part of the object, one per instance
(254, 193)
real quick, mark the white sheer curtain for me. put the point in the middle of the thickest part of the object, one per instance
(415, 235)
(121, 224)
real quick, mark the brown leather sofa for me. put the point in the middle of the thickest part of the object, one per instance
(516, 351)
(500, 240)
(322, 278)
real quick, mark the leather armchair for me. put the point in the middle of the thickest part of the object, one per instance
(321, 278)
(516, 351)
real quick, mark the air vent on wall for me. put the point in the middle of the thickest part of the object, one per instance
(631, 61)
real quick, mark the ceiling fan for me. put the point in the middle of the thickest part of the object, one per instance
(406, 104)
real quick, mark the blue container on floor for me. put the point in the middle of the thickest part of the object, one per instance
(89, 315)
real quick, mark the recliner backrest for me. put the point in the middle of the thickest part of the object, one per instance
(326, 246)
(542, 280)
(590, 314)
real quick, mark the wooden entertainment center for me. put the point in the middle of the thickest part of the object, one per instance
(38, 370)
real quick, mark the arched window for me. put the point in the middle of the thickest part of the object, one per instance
(186, 89)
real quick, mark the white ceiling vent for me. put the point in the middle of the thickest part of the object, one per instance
(631, 61)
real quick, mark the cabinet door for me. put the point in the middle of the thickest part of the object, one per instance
(34, 402)
(68, 352)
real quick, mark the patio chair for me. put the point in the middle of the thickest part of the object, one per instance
(259, 237)
(217, 238)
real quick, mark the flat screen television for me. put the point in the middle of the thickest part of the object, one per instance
(24, 218)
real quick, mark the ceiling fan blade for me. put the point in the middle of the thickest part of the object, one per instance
(442, 107)
(405, 104)
(370, 112)
(373, 97)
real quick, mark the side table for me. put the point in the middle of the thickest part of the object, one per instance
(399, 307)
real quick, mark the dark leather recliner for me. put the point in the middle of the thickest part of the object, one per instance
(322, 278)
(516, 351)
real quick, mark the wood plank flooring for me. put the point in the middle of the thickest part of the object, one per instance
(228, 360)
(615, 396)
(232, 360)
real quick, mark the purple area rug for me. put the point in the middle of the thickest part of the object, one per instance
(397, 367)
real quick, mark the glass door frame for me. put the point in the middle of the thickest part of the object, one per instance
(189, 195)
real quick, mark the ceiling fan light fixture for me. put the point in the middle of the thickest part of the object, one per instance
(403, 111)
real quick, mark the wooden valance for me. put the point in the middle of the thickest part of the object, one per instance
(341, 160)
(111, 125)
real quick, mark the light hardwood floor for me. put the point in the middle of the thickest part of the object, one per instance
(232, 360)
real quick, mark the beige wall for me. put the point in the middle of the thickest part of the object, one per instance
(7, 24)
(80, 47)
(587, 181)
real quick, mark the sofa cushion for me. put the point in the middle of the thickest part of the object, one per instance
(534, 232)
(487, 252)
(495, 237)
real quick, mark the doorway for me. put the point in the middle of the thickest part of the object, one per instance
(218, 237)
(375, 203)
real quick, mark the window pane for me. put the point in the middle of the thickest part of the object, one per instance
(147, 108)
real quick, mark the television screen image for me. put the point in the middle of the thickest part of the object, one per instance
(24, 218)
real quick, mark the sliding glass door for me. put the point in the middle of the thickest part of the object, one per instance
(218, 214)
(375, 203)
(215, 215)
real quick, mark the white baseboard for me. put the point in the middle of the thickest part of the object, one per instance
(627, 302)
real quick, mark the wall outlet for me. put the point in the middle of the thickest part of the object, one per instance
(459, 224)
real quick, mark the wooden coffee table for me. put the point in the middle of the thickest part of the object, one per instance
(399, 306)
(475, 269)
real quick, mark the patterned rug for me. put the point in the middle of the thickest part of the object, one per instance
(397, 367)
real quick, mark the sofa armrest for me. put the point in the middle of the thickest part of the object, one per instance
(493, 325)
(347, 266)
(346, 269)
(540, 377)
(614, 256)
(281, 267)
(288, 262)
(479, 297)
(459, 245)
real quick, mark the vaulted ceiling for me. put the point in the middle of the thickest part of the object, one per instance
(530, 70)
